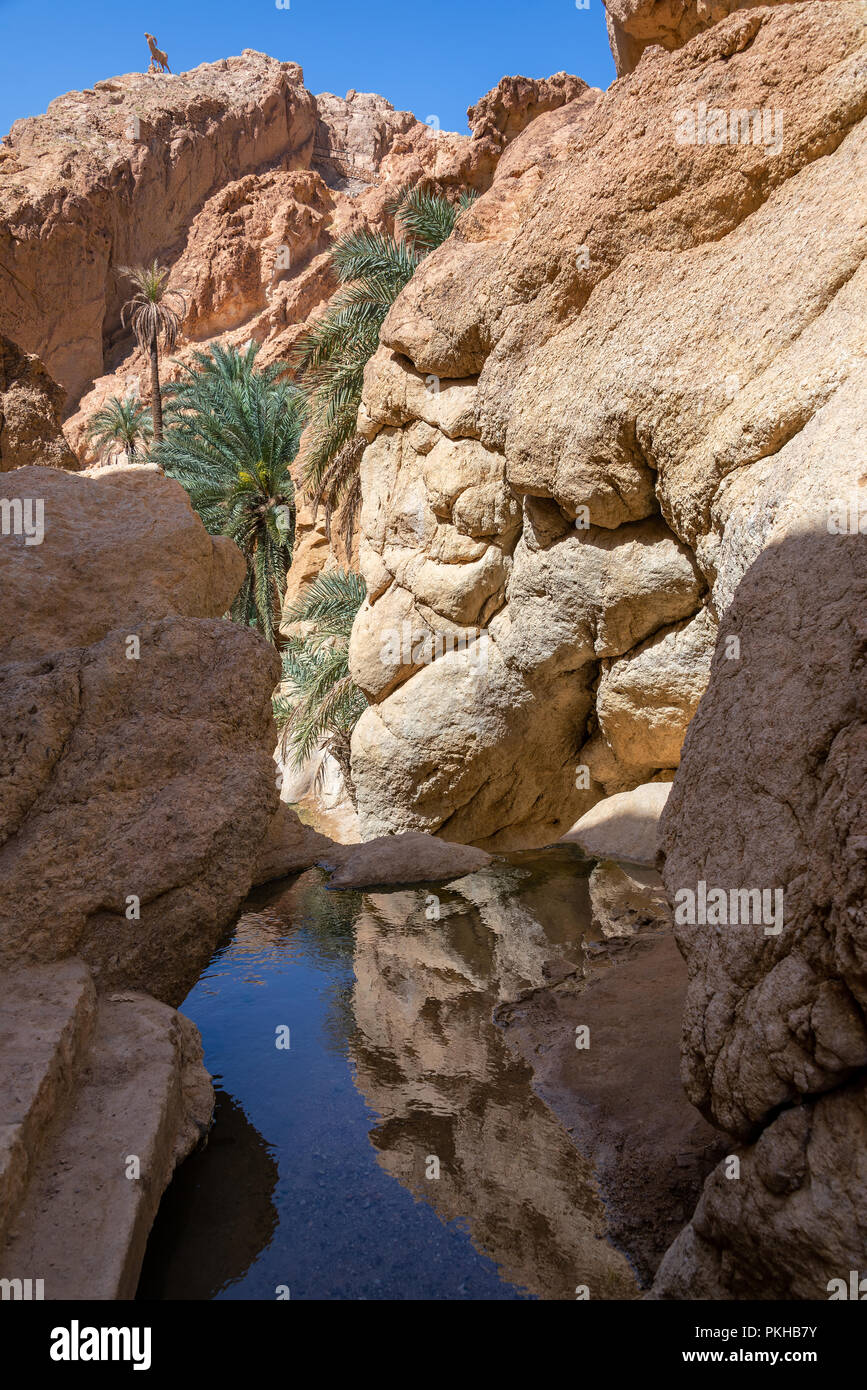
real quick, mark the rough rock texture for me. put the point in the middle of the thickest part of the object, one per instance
(85, 1085)
(508, 108)
(776, 1017)
(773, 1015)
(633, 25)
(240, 181)
(235, 176)
(795, 1219)
(31, 404)
(137, 732)
(112, 176)
(628, 335)
(289, 846)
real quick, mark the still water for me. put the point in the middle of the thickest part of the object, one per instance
(396, 1148)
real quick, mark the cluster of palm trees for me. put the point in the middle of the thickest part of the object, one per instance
(232, 430)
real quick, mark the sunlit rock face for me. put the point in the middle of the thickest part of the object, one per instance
(590, 408)
(137, 731)
(634, 25)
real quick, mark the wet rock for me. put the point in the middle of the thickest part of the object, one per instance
(619, 1092)
(623, 902)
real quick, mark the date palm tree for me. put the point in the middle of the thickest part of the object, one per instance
(120, 424)
(232, 431)
(152, 316)
(330, 359)
(320, 704)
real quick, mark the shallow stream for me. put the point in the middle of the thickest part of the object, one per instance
(396, 1147)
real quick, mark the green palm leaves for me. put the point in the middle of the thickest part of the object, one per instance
(320, 704)
(153, 313)
(331, 357)
(233, 431)
(119, 425)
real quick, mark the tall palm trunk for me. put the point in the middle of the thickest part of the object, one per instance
(156, 399)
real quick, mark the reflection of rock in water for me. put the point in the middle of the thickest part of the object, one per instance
(432, 1064)
(201, 1242)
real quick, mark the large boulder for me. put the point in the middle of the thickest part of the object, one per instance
(573, 417)
(137, 734)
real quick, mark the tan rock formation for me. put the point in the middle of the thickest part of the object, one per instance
(131, 799)
(31, 405)
(507, 109)
(289, 846)
(113, 176)
(633, 25)
(87, 1085)
(232, 174)
(623, 826)
(769, 802)
(640, 323)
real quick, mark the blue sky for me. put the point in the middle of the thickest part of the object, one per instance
(434, 57)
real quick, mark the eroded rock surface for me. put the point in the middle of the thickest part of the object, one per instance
(31, 406)
(590, 405)
(137, 733)
(774, 1036)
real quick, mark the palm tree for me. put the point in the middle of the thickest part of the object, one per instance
(120, 424)
(331, 357)
(321, 704)
(232, 432)
(152, 317)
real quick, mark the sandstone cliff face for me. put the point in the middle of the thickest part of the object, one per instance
(235, 176)
(112, 176)
(240, 181)
(137, 732)
(571, 422)
(633, 25)
(31, 404)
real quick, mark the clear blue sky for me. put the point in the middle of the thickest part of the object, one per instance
(433, 57)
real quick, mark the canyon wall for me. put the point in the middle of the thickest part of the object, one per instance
(616, 450)
(571, 417)
(770, 798)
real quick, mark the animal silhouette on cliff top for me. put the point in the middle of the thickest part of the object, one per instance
(159, 62)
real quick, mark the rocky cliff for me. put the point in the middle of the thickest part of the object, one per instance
(571, 419)
(615, 461)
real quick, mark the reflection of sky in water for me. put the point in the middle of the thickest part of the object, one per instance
(290, 1189)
